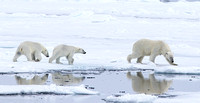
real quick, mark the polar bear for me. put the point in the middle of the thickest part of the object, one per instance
(152, 48)
(36, 80)
(32, 51)
(148, 85)
(66, 79)
(67, 51)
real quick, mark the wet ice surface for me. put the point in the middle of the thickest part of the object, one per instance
(108, 83)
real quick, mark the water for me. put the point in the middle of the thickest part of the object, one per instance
(106, 82)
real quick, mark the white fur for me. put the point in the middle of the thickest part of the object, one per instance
(152, 48)
(32, 51)
(65, 51)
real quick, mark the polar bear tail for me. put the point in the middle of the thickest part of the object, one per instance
(129, 57)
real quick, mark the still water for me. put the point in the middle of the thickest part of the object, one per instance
(106, 82)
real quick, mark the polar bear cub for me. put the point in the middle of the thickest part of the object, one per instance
(32, 51)
(152, 48)
(65, 51)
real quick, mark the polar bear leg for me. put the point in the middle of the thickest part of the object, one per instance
(53, 57)
(28, 56)
(129, 58)
(152, 58)
(135, 55)
(70, 59)
(33, 57)
(38, 56)
(58, 61)
(17, 55)
(28, 53)
(139, 60)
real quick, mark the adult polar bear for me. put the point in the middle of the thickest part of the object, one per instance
(152, 48)
(65, 51)
(32, 51)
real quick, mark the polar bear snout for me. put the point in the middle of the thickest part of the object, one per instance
(171, 59)
(84, 52)
(80, 50)
(47, 55)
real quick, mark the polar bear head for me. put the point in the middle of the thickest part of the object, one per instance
(45, 52)
(80, 50)
(169, 56)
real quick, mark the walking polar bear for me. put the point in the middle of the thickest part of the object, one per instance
(152, 48)
(32, 51)
(65, 51)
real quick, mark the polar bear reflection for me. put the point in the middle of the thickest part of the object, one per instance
(66, 79)
(36, 80)
(148, 86)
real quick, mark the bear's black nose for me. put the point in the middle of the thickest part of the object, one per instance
(171, 59)
(84, 52)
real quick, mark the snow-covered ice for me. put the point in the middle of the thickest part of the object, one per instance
(47, 89)
(107, 33)
(131, 98)
(181, 97)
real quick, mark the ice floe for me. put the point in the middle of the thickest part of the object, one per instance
(45, 89)
(131, 98)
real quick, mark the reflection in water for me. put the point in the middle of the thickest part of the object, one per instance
(36, 80)
(66, 79)
(150, 85)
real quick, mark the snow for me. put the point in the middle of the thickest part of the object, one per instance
(45, 89)
(131, 98)
(178, 70)
(106, 30)
(142, 98)
(181, 97)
